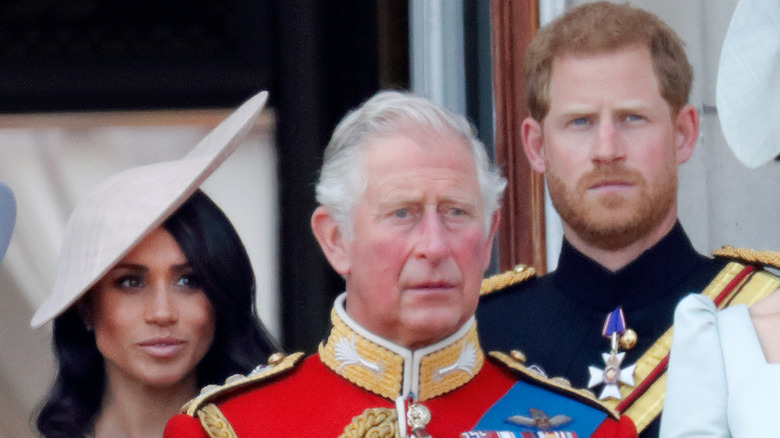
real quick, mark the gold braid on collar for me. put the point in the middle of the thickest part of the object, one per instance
(382, 369)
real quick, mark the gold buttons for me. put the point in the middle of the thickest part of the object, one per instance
(518, 356)
(275, 358)
(233, 378)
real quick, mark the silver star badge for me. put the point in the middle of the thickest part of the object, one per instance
(611, 376)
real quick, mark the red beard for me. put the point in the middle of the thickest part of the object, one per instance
(612, 221)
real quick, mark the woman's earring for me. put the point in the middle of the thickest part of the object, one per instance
(86, 317)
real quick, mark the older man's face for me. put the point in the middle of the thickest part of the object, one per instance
(419, 250)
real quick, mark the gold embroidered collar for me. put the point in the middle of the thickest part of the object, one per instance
(389, 370)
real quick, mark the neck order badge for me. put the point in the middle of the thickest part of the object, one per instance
(611, 376)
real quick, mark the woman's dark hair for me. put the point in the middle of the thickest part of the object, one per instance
(221, 265)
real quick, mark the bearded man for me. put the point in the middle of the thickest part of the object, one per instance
(607, 89)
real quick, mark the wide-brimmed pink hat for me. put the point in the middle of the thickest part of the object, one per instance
(114, 217)
(748, 86)
(7, 217)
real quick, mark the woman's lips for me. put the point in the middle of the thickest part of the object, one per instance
(162, 348)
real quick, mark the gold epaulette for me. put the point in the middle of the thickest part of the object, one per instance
(741, 281)
(277, 363)
(515, 360)
(519, 274)
(766, 258)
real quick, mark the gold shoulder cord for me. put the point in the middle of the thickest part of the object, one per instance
(770, 258)
(373, 423)
(211, 418)
(503, 280)
(215, 423)
(278, 364)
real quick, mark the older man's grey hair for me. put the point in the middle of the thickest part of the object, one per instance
(342, 178)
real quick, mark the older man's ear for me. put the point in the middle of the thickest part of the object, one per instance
(332, 241)
(495, 221)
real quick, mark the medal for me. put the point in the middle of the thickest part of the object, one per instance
(611, 376)
(413, 417)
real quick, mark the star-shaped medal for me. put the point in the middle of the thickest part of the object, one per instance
(612, 375)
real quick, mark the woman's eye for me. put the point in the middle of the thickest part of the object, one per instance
(190, 281)
(129, 282)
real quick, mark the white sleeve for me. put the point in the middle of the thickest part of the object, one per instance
(696, 392)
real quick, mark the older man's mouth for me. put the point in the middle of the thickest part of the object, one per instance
(431, 287)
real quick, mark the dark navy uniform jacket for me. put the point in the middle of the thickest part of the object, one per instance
(556, 319)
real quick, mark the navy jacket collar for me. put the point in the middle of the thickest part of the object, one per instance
(657, 270)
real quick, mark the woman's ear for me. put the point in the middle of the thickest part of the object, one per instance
(331, 239)
(84, 307)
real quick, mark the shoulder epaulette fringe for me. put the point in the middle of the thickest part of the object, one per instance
(214, 422)
(767, 258)
(516, 361)
(277, 363)
(519, 274)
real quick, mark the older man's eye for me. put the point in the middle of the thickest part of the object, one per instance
(401, 213)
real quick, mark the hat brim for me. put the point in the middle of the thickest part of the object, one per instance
(120, 212)
(748, 86)
(7, 217)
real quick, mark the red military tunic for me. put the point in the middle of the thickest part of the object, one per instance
(356, 371)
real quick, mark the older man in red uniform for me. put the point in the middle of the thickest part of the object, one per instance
(408, 210)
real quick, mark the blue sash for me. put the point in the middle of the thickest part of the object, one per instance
(523, 397)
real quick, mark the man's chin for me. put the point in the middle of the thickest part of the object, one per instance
(613, 234)
(422, 331)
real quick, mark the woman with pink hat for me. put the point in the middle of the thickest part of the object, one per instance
(153, 299)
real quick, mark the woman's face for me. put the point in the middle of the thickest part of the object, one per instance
(153, 323)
